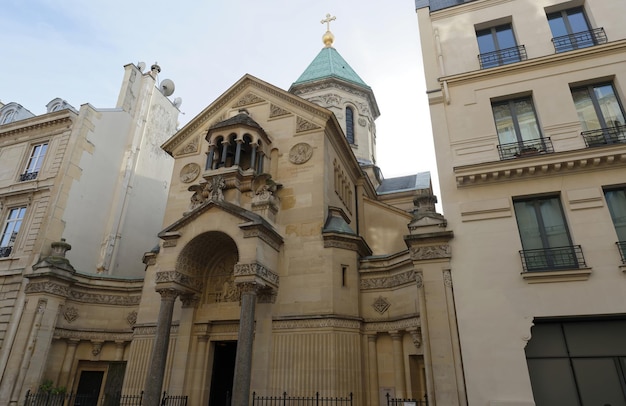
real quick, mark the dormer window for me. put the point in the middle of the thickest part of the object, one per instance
(350, 125)
(8, 117)
(37, 154)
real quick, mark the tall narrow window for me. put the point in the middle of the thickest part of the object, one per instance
(518, 131)
(350, 125)
(10, 230)
(497, 46)
(35, 160)
(570, 30)
(545, 238)
(616, 200)
(600, 113)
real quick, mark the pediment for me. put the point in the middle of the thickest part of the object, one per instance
(251, 224)
(248, 92)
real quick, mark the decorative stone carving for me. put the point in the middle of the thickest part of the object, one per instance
(397, 325)
(419, 281)
(256, 269)
(97, 298)
(96, 347)
(315, 324)
(381, 304)
(85, 335)
(189, 301)
(212, 190)
(189, 173)
(70, 314)
(131, 318)
(276, 111)
(331, 100)
(300, 153)
(190, 148)
(304, 125)
(447, 278)
(249, 98)
(387, 282)
(215, 188)
(177, 277)
(362, 122)
(48, 287)
(416, 335)
(430, 252)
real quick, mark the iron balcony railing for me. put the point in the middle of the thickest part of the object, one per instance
(525, 148)
(621, 246)
(583, 39)
(5, 251)
(553, 259)
(502, 57)
(604, 136)
(285, 400)
(59, 399)
(28, 176)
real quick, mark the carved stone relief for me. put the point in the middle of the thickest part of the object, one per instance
(381, 304)
(249, 98)
(190, 148)
(276, 111)
(131, 318)
(447, 278)
(304, 125)
(300, 153)
(70, 314)
(387, 282)
(189, 172)
(430, 252)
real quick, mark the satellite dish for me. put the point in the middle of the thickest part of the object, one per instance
(141, 66)
(177, 102)
(167, 87)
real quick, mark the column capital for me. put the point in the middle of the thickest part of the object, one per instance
(371, 337)
(395, 334)
(168, 293)
(190, 301)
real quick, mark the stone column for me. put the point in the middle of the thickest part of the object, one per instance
(156, 371)
(70, 351)
(209, 158)
(373, 369)
(243, 361)
(119, 350)
(238, 151)
(183, 344)
(398, 364)
(428, 366)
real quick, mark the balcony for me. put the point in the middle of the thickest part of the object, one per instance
(502, 57)
(583, 39)
(621, 246)
(5, 251)
(525, 148)
(28, 176)
(553, 259)
(604, 136)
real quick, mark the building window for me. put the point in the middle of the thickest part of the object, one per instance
(600, 113)
(8, 117)
(350, 125)
(545, 238)
(616, 201)
(10, 230)
(497, 46)
(518, 130)
(33, 167)
(577, 362)
(570, 30)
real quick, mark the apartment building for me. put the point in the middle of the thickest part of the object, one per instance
(527, 105)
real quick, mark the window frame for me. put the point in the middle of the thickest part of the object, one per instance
(498, 56)
(7, 242)
(35, 161)
(619, 226)
(573, 39)
(605, 134)
(350, 125)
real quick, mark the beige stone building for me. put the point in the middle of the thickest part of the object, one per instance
(526, 100)
(84, 176)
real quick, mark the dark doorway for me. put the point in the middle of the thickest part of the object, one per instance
(222, 373)
(88, 389)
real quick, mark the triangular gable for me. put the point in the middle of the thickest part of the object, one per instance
(249, 219)
(246, 91)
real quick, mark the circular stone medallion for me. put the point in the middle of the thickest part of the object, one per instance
(189, 173)
(300, 153)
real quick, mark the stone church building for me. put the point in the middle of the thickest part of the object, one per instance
(286, 263)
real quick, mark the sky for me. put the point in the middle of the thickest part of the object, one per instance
(76, 50)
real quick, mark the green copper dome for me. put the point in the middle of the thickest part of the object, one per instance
(329, 64)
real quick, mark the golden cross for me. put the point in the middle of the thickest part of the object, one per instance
(327, 21)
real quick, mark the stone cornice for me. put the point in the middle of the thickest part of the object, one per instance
(88, 335)
(348, 242)
(542, 61)
(385, 263)
(37, 123)
(405, 324)
(555, 164)
(316, 322)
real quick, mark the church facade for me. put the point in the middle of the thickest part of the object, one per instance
(285, 263)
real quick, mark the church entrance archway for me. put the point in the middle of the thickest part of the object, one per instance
(223, 371)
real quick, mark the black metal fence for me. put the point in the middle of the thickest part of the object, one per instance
(406, 402)
(285, 400)
(72, 399)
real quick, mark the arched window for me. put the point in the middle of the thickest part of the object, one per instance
(350, 125)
